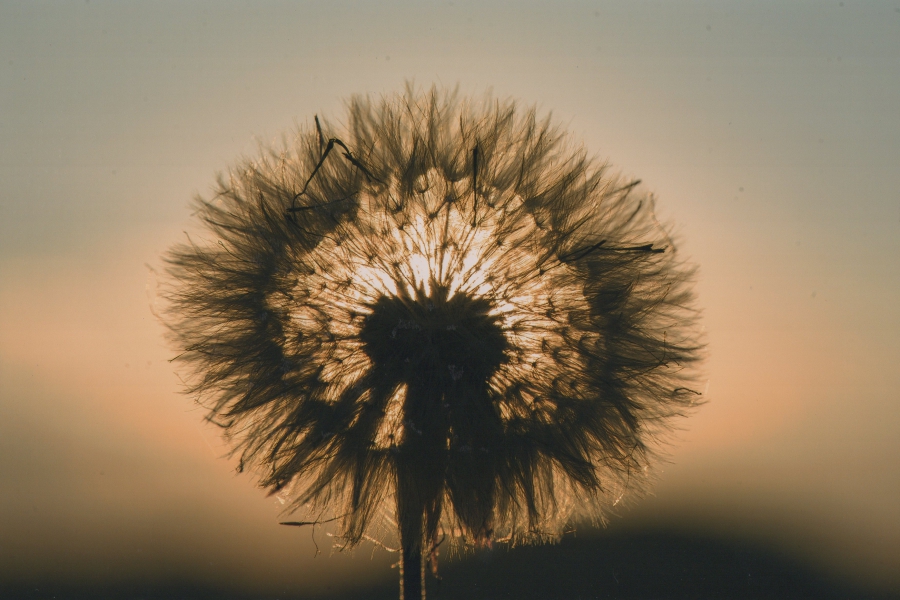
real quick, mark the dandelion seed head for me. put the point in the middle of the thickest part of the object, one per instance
(461, 313)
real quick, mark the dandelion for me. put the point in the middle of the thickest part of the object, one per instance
(441, 318)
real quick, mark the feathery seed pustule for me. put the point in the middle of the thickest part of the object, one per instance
(441, 312)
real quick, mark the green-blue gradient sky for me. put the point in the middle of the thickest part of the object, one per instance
(769, 131)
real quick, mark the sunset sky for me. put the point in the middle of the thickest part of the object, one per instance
(769, 132)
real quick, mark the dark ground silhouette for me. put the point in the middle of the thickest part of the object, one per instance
(608, 566)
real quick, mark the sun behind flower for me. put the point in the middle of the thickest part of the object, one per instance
(462, 319)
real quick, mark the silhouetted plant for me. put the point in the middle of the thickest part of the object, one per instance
(444, 314)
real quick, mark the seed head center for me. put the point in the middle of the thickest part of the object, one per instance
(432, 340)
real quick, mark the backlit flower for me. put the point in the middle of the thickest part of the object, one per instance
(443, 309)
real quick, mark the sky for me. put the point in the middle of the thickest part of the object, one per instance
(768, 131)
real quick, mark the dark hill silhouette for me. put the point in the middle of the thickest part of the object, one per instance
(622, 566)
